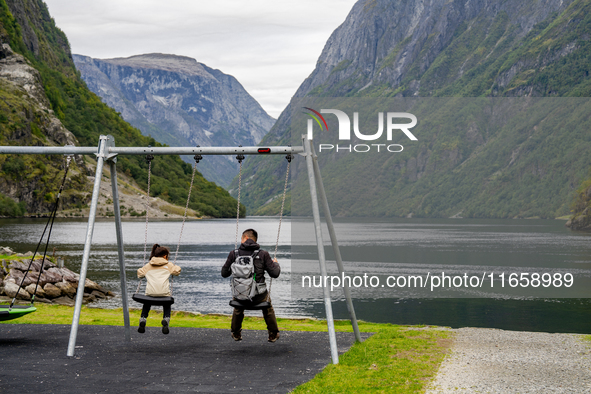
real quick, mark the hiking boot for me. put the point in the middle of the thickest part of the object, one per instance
(165, 322)
(142, 328)
(237, 336)
(273, 336)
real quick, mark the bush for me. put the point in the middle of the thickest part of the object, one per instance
(8, 207)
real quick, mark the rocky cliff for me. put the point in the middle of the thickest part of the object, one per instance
(180, 102)
(441, 48)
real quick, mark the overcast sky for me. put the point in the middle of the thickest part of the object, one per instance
(270, 46)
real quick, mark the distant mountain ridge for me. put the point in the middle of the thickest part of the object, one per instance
(441, 48)
(180, 102)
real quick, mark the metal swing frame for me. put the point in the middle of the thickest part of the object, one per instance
(108, 152)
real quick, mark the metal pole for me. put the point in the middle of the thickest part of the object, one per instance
(91, 217)
(335, 245)
(118, 230)
(321, 258)
(161, 150)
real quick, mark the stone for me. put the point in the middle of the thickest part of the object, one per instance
(68, 275)
(67, 288)
(64, 301)
(88, 298)
(36, 266)
(98, 294)
(19, 265)
(31, 290)
(5, 250)
(91, 285)
(53, 275)
(35, 275)
(52, 291)
(11, 289)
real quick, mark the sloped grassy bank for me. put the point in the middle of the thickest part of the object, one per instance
(396, 359)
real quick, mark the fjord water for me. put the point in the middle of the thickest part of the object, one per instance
(407, 243)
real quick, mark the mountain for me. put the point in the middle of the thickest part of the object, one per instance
(45, 102)
(180, 102)
(481, 48)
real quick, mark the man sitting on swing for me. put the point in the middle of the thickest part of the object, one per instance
(262, 262)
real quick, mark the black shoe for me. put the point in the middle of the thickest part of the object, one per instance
(165, 325)
(142, 328)
(273, 336)
(237, 336)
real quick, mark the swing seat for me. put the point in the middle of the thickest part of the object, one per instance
(249, 305)
(144, 299)
(16, 311)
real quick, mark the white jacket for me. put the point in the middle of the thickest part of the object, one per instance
(157, 272)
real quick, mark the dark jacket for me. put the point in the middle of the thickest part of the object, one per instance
(262, 262)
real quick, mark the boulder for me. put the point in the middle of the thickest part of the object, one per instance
(66, 288)
(46, 265)
(19, 265)
(52, 291)
(18, 277)
(31, 289)
(5, 250)
(11, 289)
(64, 301)
(98, 294)
(68, 276)
(88, 298)
(35, 275)
(53, 275)
(89, 285)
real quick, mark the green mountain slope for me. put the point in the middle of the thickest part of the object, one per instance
(455, 49)
(31, 32)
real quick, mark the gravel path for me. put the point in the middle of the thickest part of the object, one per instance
(486, 360)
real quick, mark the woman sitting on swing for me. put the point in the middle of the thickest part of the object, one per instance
(157, 273)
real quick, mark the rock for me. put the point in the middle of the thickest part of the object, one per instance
(52, 291)
(53, 275)
(18, 277)
(31, 290)
(88, 298)
(46, 265)
(5, 250)
(19, 265)
(64, 301)
(43, 300)
(11, 289)
(35, 275)
(90, 285)
(68, 275)
(66, 288)
(98, 294)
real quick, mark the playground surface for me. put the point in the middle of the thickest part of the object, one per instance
(203, 360)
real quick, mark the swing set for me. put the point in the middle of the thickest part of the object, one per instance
(108, 152)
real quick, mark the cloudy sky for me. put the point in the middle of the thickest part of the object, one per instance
(270, 46)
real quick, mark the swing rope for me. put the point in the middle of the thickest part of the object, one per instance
(50, 224)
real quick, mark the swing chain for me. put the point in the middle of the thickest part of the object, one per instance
(197, 159)
(239, 158)
(149, 159)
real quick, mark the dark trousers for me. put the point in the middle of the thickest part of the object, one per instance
(268, 315)
(147, 306)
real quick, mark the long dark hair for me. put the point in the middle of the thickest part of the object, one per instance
(159, 251)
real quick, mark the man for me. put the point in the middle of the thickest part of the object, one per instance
(262, 262)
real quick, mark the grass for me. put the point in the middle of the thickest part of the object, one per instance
(396, 359)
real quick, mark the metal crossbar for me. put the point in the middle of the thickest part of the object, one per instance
(165, 150)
